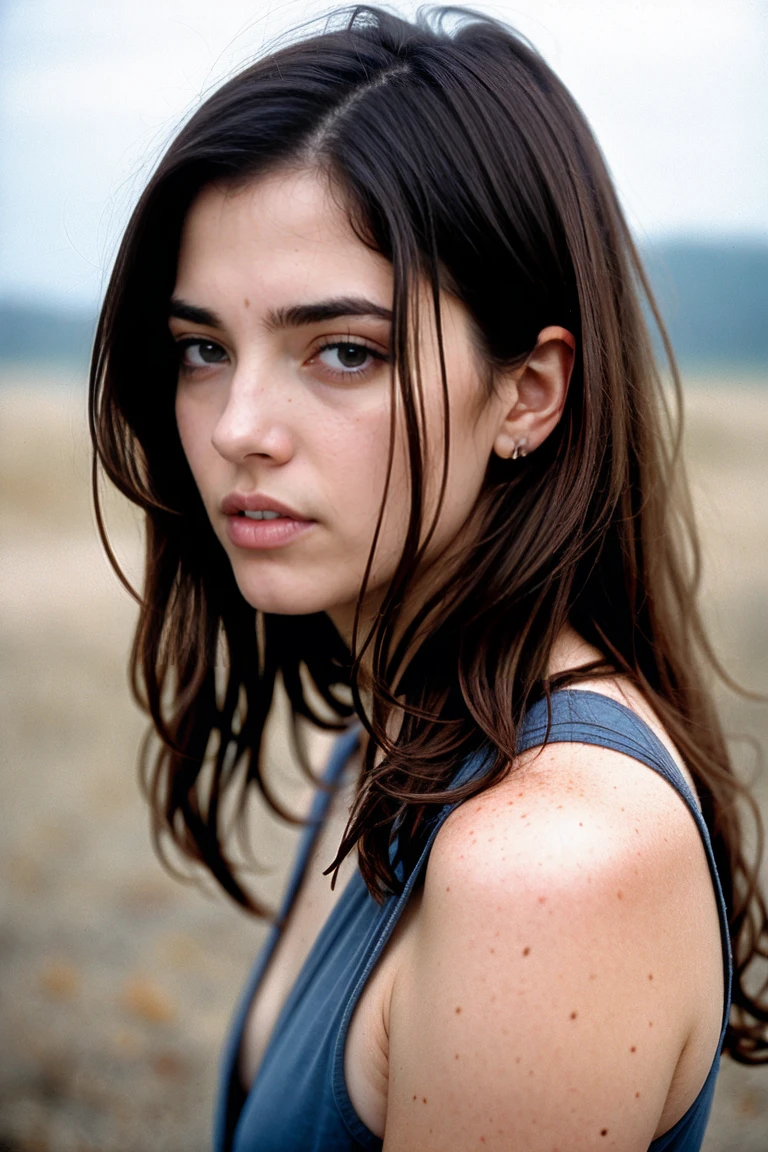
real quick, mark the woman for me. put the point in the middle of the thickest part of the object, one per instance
(373, 363)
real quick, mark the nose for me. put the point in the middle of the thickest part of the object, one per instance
(253, 422)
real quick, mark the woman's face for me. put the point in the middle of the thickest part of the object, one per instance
(282, 318)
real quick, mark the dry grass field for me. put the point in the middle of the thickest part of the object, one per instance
(117, 981)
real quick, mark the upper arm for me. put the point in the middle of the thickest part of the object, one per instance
(542, 1006)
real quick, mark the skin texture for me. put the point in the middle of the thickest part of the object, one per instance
(537, 995)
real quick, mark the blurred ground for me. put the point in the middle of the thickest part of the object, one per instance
(117, 981)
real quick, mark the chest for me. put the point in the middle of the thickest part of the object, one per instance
(366, 1063)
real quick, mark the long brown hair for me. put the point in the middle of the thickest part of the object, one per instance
(466, 163)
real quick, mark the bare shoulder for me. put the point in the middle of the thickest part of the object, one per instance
(581, 850)
(565, 808)
(550, 988)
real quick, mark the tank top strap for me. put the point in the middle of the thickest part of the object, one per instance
(231, 1095)
(334, 770)
(579, 716)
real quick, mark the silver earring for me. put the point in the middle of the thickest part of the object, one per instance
(519, 450)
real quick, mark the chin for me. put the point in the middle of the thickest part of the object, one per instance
(282, 603)
(280, 595)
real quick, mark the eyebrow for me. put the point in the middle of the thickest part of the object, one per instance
(290, 317)
(180, 310)
(318, 313)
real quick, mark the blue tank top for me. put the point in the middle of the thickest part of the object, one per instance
(298, 1101)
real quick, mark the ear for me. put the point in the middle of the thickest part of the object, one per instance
(535, 394)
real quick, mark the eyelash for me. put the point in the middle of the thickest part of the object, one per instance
(350, 373)
(377, 357)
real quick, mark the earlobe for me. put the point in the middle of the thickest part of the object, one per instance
(511, 451)
(539, 394)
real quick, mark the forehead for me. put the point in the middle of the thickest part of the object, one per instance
(284, 231)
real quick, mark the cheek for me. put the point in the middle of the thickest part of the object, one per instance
(184, 420)
(358, 456)
(352, 454)
(185, 427)
(195, 435)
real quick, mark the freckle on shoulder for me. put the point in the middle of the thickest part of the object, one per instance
(559, 828)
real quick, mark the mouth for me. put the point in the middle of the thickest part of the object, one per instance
(257, 506)
(265, 515)
(257, 523)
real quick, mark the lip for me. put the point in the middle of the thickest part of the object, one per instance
(237, 502)
(260, 535)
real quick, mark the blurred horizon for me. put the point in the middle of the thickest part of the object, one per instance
(712, 294)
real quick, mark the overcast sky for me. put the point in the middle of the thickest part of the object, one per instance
(90, 90)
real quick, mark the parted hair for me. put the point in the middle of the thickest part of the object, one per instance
(466, 163)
